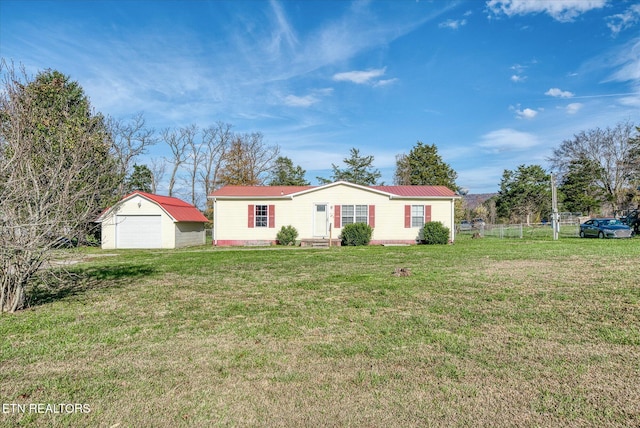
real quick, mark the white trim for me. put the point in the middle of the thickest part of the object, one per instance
(214, 236)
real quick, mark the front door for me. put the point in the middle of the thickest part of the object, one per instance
(320, 220)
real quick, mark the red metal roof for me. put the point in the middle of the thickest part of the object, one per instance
(275, 191)
(417, 191)
(259, 191)
(176, 208)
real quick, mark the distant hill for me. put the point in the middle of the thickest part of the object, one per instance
(473, 200)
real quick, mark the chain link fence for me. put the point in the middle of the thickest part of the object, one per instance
(568, 229)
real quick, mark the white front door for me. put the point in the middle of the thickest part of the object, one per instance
(320, 220)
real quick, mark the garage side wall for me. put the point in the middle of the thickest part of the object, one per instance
(189, 234)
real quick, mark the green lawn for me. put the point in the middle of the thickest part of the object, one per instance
(485, 332)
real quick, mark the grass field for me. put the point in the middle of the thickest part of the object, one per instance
(482, 333)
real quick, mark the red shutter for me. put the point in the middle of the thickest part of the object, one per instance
(372, 215)
(336, 216)
(272, 216)
(407, 216)
(252, 213)
(427, 213)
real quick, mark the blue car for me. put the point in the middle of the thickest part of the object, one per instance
(604, 228)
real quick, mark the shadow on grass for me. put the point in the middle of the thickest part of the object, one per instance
(72, 282)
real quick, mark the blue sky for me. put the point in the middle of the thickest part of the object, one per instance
(493, 84)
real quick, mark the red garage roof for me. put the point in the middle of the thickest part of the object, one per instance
(282, 191)
(178, 209)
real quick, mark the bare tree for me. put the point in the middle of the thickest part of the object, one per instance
(158, 169)
(176, 142)
(216, 140)
(248, 160)
(193, 159)
(610, 149)
(56, 172)
(130, 140)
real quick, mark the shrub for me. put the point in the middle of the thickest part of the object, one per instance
(356, 234)
(287, 235)
(435, 232)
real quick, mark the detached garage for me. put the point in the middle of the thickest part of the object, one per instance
(144, 220)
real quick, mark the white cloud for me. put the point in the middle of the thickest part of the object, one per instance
(519, 75)
(527, 113)
(295, 101)
(307, 100)
(359, 77)
(479, 179)
(627, 62)
(622, 21)
(507, 140)
(385, 82)
(355, 32)
(453, 24)
(282, 33)
(631, 101)
(573, 108)
(560, 10)
(558, 93)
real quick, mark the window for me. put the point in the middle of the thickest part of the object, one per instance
(417, 215)
(262, 216)
(355, 214)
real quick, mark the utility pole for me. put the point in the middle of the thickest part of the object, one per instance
(555, 220)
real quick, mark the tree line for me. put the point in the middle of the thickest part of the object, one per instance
(596, 172)
(61, 163)
(212, 157)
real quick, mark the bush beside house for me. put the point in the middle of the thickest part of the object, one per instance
(356, 234)
(287, 235)
(435, 232)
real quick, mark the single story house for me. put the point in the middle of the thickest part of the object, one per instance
(250, 215)
(145, 220)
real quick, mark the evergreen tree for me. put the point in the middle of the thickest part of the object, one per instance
(285, 174)
(525, 194)
(140, 179)
(579, 188)
(424, 166)
(359, 170)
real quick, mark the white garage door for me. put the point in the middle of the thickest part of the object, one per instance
(138, 231)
